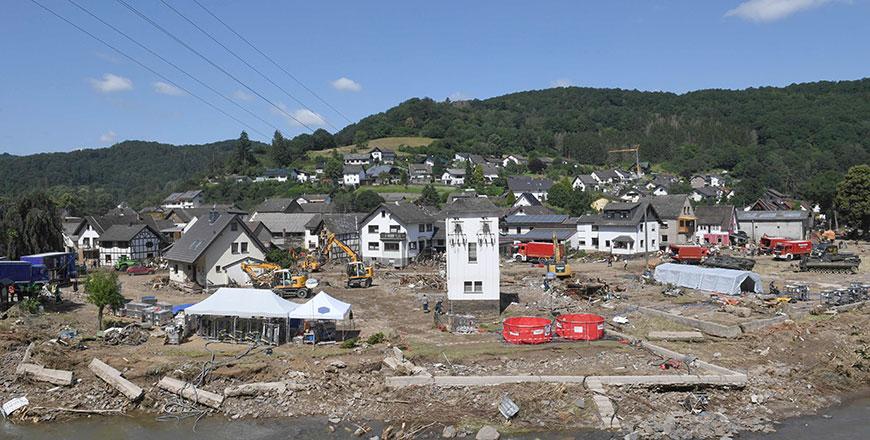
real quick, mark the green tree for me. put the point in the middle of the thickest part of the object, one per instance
(429, 196)
(31, 225)
(822, 189)
(403, 177)
(537, 165)
(853, 197)
(103, 289)
(680, 188)
(510, 198)
(280, 150)
(334, 169)
(366, 200)
(244, 155)
(469, 173)
(476, 176)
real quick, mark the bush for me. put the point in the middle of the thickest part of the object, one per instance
(349, 343)
(376, 338)
(29, 305)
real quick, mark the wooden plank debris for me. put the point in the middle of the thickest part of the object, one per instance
(189, 392)
(113, 377)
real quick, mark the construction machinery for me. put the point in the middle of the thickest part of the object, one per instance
(559, 264)
(358, 274)
(826, 257)
(729, 262)
(282, 281)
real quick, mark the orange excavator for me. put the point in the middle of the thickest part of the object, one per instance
(358, 274)
(281, 281)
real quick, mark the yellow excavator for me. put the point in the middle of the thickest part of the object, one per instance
(559, 264)
(282, 281)
(358, 274)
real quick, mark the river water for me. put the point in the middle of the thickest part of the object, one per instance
(848, 421)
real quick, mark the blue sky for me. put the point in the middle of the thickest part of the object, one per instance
(60, 90)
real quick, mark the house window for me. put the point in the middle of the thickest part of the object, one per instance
(664, 238)
(234, 226)
(484, 227)
(108, 258)
(394, 229)
(149, 244)
(473, 287)
(421, 228)
(245, 248)
(149, 255)
(217, 269)
(374, 246)
(412, 245)
(594, 227)
(641, 226)
(606, 243)
(391, 247)
(429, 227)
(383, 213)
(234, 248)
(472, 252)
(174, 268)
(373, 229)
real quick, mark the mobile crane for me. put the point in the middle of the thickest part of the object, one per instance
(358, 274)
(281, 281)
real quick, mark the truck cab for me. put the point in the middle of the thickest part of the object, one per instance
(688, 254)
(766, 244)
(791, 249)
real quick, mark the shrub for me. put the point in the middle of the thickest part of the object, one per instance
(349, 343)
(376, 338)
(29, 305)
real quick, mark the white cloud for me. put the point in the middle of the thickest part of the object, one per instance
(111, 83)
(302, 116)
(108, 137)
(241, 95)
(346, 85)
(772, 10)
(459, 96)
(561, 82)
(167, 89)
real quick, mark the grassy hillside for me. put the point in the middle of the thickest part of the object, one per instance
(392, 143)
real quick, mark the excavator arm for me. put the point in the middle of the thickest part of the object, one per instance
(261, 274)
(332, 240)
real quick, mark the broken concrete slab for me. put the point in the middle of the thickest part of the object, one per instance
(735, 380)
(42, 374)
(113, 377)
(189, 392)
(710, 328)
(606, 411)
(675, 336)
(759, 324)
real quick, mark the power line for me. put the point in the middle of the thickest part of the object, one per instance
(275, 63)
(172, 64)
(224, 71)
(158, 74)
(238, 57)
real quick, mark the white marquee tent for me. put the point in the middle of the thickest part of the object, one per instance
(731, 282)
(322, 307)
(243, 303)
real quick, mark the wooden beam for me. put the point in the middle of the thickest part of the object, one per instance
(113, 377)
(189, 392)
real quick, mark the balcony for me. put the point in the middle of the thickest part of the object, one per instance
(393, 236)
(686, 224)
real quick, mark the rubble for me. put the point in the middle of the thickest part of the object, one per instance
(190, 392)
(132, 334)
(113, 377)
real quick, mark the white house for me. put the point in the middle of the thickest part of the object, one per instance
(211, 246)
(383, 155)
(357, 159)
(513, 159)
(453, 176)
(620, 229)
(490, 172)
(187, 199)
(395, 233)
(659, 190)
(585, 182)
(472, 247)
(527, 199)
(136, 241)
(353, 175)
(303, 177)
(524, 184)
(275, 175)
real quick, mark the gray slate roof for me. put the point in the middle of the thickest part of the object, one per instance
(528, 184)
(123, 232)
(337, 223)
(472, 207)
(182, 196)
(669, 206)
(528, 219)
(407, 213)
(279, 222)
(772, 216)
(546, 234)
(274, 205)
(200, 236)
(635, 216)
(719, 215)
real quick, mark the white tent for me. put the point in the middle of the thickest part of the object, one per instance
(243, 303)
(731, 282)
(322, 307)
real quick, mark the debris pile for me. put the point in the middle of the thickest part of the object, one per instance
(132, 334)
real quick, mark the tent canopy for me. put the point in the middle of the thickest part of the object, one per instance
(243, 303)
(731, 282)
(322, 306)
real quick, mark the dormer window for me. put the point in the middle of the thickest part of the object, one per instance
(383, 213)
(457, 228)
(485, 227)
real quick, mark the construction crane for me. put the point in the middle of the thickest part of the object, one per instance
(636, 150)
(358, 274)
(559, 264)
(282, 281)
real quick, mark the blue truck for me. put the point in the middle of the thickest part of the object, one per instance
(19, 278)
(61, 266)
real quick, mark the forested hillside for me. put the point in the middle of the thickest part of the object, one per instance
(777, 137)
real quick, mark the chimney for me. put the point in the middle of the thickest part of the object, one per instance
(213, 215)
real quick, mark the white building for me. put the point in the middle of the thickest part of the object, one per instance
(620, 229)
(353, 175)
(357, 159)
(585, 182)
(187, 199)
(524, 184)
(136, 241)
(211, 245)
(395, 233)
(472, 246)
(453, 176)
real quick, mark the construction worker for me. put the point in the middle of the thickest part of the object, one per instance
(425, 303)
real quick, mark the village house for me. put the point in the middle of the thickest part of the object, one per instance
(699, 181)
(632, 194)
(528, 210)
(314, 198)
(490, 172)
(90, 230)
(471, 228)
(715, 223)
(210, 253)
(678, 219)
(527, 199)
(346, 228)
(585, 182)
(382, 155)
(430, 160)
(516, 224)
(453, 176)
(395, 233)
(276, 175)
(773, 200)
(420, 173)
(383, 175)
(136, 241)
(288, 229)
(659, 190)
(620, 229)
(353, 175)
(609, 176)
(706, 194)
(186, 199)
(304, 176)
(789, 224)
(525, 184)
(357, 159)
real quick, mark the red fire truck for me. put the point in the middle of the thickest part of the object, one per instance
(791, 249)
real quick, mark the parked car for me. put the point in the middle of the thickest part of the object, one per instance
(140, 270)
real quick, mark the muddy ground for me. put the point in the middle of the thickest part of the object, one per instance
(794, 367)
